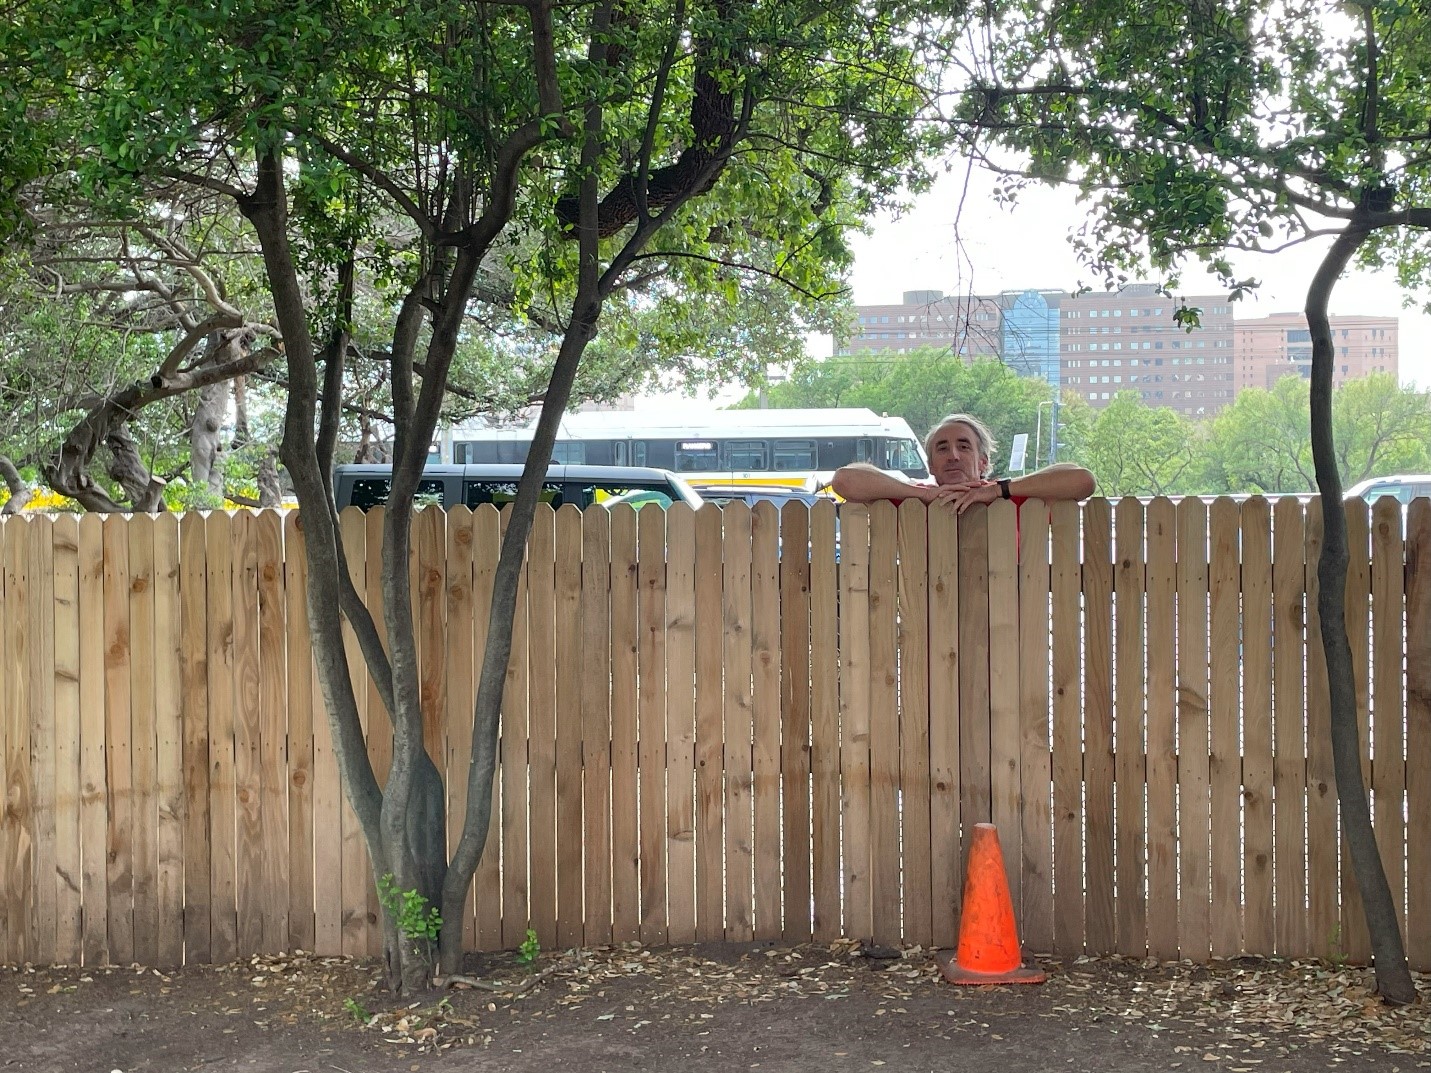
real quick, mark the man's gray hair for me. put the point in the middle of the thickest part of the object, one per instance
(982, 437)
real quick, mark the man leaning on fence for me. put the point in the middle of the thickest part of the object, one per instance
(959, 450)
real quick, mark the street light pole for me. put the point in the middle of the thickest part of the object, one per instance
(1038, 430)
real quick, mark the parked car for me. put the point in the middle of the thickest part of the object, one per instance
(1403, 487)
(751, 494)
(445, 485)
(778, 494)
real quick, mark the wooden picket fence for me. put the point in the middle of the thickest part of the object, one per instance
(709, 734)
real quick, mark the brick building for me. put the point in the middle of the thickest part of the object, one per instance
(1269, 348)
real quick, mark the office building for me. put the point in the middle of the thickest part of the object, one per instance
(1127, 340)
(967, 325)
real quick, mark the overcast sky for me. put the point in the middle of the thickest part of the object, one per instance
(960, 241)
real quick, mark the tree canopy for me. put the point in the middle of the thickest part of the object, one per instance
(464, 168)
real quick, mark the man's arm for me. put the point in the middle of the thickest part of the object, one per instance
(1063, 480)
(861, 482)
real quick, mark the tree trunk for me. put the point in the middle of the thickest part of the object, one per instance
(270, 492)
(1393, 977)
(205, 449)
(20, 492)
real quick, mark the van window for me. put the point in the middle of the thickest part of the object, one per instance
(371, 492)
(609, 495)
(500, 493)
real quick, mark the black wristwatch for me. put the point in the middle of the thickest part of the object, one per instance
(1004, 488)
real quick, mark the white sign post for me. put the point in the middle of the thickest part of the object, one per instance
(1017, 451)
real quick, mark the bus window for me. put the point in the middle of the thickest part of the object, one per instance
(794, 454)
(570, 453)
(619, 453)
(695, 456)
(500, 493)
(638, 452)
(746, 454)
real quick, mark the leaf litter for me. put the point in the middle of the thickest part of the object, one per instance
(1252, 1005)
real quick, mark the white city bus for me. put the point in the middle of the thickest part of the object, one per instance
(799, 448)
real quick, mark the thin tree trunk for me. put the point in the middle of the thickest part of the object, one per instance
(1393, 977)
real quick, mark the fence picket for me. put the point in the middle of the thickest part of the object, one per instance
(1324, 937)
(1355, 939)
(596, 722)
(854, 725)
(119, 776)
(194, 684)
(884, 877)
(651, 720)
(169, 741)
(1225, 760)
(1004, 704)
(625, 816)
(796, 648)
(569, 688)
(1257, 629)
(1194, 749)
(1035, 743)
(710, 716)
(541, 724)
(69, 920)
(914, 712)
(738, 723)
(43, 747)
(1129, 768)
(1067, 734)
(765, 717)
(824, 725)
(1389, 769)
(311, 842)
(680, 830)
(946, 866)
(17, 879)
(1099, 933)
(1418, 732)
(1289, 764)
(1161, 529)
(273, 727)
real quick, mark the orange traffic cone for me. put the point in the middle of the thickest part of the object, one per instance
(989, 951)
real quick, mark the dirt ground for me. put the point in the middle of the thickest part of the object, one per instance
(706, 1008)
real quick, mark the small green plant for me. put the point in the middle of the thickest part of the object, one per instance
(530, 949)
(356, 1010)
(415, 918)
(1337, 955)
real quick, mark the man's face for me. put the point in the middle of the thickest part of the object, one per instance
(954, 456)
